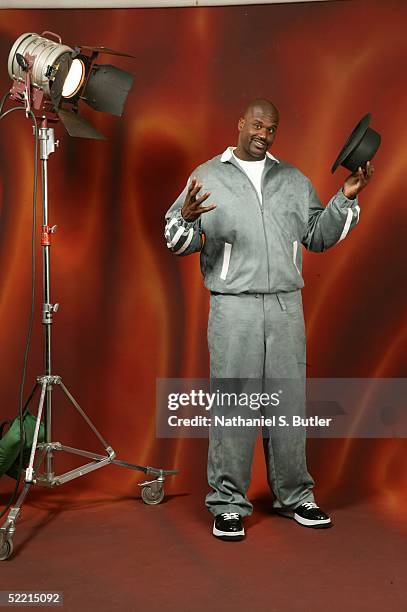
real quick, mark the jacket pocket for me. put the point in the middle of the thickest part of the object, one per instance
(226, 260)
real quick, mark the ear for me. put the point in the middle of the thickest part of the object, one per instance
(241, 123)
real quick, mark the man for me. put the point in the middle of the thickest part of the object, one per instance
(263, 210)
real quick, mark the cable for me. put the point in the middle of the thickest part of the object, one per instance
(32, 311)
(31, 317)
(4, 98)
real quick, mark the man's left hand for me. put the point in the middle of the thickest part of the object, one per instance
(358, 181)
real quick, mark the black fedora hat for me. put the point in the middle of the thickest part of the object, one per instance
(360, 147)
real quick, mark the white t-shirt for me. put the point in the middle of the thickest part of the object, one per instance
(254, 170)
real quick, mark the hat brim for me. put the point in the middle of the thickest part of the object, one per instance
(353, 141)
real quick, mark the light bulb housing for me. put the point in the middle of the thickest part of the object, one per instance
(53, 78)
(74, 79)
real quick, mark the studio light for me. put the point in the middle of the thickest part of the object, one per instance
(51, 77)
(50, 80)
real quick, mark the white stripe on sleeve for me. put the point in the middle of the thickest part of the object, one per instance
(169, 226)
(186, 243)
(346, 227)
(176, 237)
(295, 249)
(226, 260)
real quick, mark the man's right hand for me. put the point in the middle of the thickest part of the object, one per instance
(192, 208)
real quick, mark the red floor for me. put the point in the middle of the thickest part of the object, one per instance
(107, 554)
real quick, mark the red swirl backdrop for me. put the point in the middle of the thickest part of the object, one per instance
(131, 311)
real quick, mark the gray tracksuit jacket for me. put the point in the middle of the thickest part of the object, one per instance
(252, 247)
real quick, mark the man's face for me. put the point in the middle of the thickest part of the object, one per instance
(257, 131)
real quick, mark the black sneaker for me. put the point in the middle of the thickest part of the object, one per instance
(309, 515)
(228, 526)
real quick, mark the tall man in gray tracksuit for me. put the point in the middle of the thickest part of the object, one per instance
(250, 241)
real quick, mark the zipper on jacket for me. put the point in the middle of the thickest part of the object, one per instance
(262, 216)
(264, 227)
(262, 220)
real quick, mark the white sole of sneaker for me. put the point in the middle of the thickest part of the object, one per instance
(303, 521)
(227, 535)
(312, 523)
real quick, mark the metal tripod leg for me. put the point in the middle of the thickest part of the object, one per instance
(29, 474)
(101, 439)
(49, 478)
(152, 491)
(8, 528)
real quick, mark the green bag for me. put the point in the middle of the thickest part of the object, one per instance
(10, 444)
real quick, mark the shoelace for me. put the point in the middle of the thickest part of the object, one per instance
(228, 516)
(310, 505)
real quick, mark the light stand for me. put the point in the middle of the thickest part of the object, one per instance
(42, 453)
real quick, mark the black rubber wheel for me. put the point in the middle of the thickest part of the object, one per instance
(152, 496)
(6, 550)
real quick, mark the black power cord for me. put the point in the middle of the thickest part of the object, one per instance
(33, 280)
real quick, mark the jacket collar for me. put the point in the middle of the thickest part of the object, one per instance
(227, 155)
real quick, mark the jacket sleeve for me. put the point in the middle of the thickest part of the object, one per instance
(328, 226)
(183, 237)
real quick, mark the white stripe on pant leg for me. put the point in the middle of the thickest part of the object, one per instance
(186, 243)
(357, 208)
(346, 227)
(295, 248)
(226, 260)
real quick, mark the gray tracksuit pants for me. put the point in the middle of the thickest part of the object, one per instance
(258, 336)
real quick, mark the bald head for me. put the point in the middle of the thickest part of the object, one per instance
(262, 105)
(257, 130)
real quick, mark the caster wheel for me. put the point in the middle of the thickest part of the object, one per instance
(151, 495)
(6, 549)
